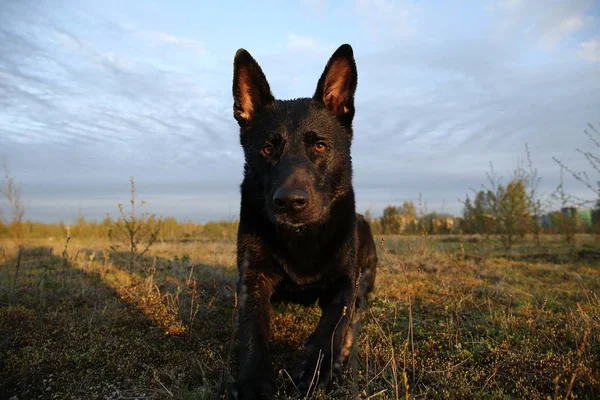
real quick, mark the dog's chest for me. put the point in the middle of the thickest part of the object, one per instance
(301, 272)
(309, 269)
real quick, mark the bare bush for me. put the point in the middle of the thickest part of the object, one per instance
(535, 198)
(134, 230)
(593, 159)
(11, 192)
(565, 220)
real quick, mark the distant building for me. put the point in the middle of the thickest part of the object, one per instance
(546, 221)
(583, 215)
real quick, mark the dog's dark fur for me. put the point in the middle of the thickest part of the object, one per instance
(299, 238)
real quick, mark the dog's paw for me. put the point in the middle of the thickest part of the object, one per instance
(317, 372)
(251, 390)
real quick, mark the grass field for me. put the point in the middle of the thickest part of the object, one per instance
(451, 317)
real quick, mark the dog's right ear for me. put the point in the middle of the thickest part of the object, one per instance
(251, 90)
(337, 85)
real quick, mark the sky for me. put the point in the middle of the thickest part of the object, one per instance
(93, 92)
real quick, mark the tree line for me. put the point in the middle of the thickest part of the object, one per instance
(507, 211)
(170, 229)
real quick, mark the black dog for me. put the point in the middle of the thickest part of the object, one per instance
(299, 238)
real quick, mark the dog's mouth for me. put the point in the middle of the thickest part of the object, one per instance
(292, 228)
(290, 224)
(285, 223)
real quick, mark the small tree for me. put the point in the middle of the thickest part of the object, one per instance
(485, 222)
(11, 191)
(478, 215)
(466, 222)
(399, 219)
(509, 206)
(136, 231)
(435, 223)
(511, 212)
(408, 217)
(390, 224)
(408, 208)
(536, 206)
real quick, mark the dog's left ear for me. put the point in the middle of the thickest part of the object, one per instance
(251, 91)
(338, 83)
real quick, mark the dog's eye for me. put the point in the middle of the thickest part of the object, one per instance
(268, 149)
(320, 147)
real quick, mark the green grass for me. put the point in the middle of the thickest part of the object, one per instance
(451, 317)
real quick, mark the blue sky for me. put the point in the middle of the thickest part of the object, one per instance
(92, 92)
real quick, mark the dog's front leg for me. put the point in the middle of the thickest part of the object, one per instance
(255, 379)
(321, 364)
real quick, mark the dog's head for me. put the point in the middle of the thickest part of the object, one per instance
(297, 151)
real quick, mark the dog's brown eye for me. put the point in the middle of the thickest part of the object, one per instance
(320, 147)
(268, 149)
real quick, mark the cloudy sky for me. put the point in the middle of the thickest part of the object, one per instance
(92, 92)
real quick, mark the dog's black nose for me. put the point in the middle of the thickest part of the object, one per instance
(290, 200)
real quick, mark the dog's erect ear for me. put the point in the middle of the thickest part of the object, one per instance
(250, 87)
(338, 83)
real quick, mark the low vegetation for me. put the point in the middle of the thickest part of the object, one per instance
(500, 303)
(453, 316)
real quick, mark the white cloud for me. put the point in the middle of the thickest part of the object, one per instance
(319, 7)
(544, 22)
(107, 59)
(307, 43)
(158, 39)
(590, 50)
(558, 29)
(510, 4)
(162, 39)
(388, 18)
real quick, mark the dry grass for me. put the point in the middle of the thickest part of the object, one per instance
(452, 317)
